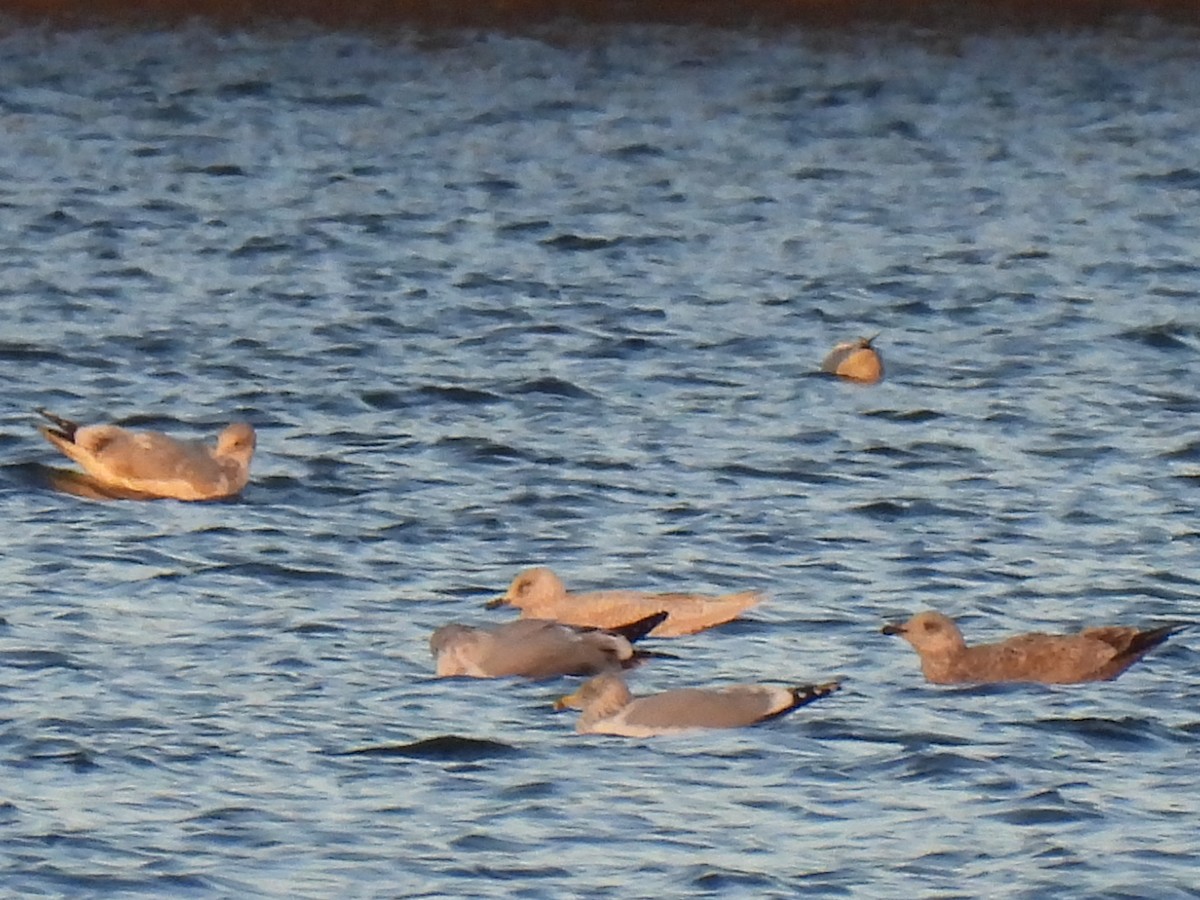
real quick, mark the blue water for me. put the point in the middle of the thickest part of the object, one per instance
(495, 300)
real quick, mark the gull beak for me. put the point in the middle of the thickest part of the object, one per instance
(892, 629)
(496, 602)
(566, 702)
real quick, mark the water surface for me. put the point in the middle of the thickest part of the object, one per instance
(557, 297)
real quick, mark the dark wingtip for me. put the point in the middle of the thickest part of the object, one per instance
(1141, 644)
(64, 428)
(807, 693)
(1152, 637)
(804, 694)
(635, 631)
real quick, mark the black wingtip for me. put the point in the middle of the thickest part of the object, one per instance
(64, 428)
(807, 693)
(804, 694)
(635, 631)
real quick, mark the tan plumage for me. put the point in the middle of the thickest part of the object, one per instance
(538, 592)
(1094, 654)
(150, 465)
(609, 708)
(855, 360)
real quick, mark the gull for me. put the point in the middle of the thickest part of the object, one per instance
(609, 708)
(150, 465)
(534, 648)
(538, 592)
(1094, 654)
(855, 360)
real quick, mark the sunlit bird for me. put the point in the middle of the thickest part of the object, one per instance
(539, 593)
(856, 360)
(152, 465)
(534, 648)
(1094, 654)
(607, 706)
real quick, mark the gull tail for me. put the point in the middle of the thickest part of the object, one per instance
(65, 429)
(806, 693)
(1145, 641)
(1139, 645)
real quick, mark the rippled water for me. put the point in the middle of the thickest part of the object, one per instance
(496, 300)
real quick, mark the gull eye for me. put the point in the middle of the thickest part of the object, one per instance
(929, 626)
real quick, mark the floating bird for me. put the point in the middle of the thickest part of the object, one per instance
(535, 648)
(1094, 654)
(151, 465)
(608, 707)
(855, 360)
(539, 593)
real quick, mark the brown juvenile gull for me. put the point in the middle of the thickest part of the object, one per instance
(151, 465)
(855, 360)
(1094, 654)
(534, 648)
(539, 593)
(608, 707)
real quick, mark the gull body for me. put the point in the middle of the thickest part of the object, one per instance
(150, 465)
(533, 648)
(608, 707)
(1094, 654)
(540, 593)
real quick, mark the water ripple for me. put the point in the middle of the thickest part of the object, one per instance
(560, 297)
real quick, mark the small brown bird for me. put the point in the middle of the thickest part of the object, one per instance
(855, 360)
(608, 707)
(151, 465)
(1094, 654)
(538, 592)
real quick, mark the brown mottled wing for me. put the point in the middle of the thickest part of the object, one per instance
(1045, 658)
(1130, 644)
(1116, 636)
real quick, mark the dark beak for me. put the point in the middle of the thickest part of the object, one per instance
(892, 629)
(496, 602)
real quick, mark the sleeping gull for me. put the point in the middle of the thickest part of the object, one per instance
(855, 360)
(1094, 654)
(608, 707)
(149, 464)
(534, 648)
(538, 592)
